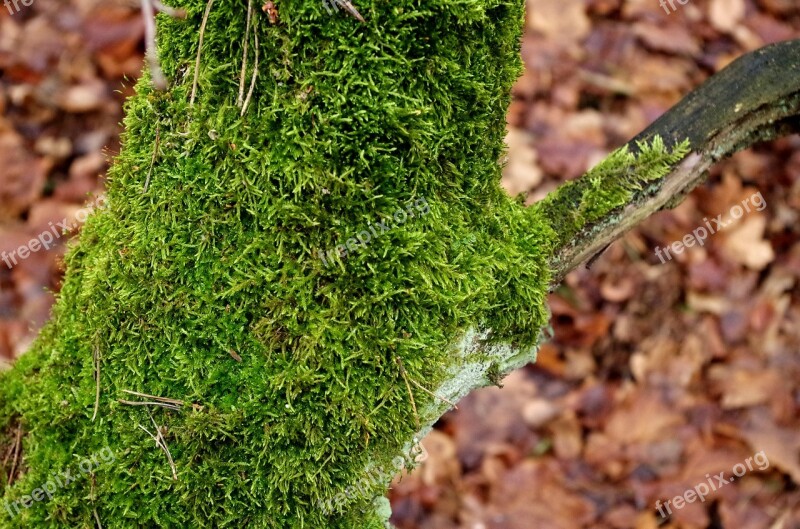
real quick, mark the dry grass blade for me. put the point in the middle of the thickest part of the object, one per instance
(153, 159)
(97, 382)
(243, 75)
(160, 399)
(16, 450)
(199, 51)
(410, 392)
(432, 394)
(146, 403)
(151, 53)
(255, 75)
(350, 8)
(162, 444)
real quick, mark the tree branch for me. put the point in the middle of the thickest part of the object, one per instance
(755, 98)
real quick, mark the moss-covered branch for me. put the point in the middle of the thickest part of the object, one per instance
(755, 98)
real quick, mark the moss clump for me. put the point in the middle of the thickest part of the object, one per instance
(218, 260)
(608, 186)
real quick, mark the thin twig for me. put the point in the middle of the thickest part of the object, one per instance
(160, 404)
(97, 380)
(255, 74)
(240, 99)
(17, 447)
(153, 160)
(97, 518)
(199, 50)
(148, 14)
(350, 8)
(146, 396)
(162, 444)
(410, 393)
(432, 394)
(9, 453)
(166, 450)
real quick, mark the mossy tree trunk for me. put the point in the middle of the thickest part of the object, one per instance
(229, 349)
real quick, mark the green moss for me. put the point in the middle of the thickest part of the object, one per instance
(607, 187)
(349, 123)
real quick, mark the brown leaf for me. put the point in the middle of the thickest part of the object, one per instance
(725, 15)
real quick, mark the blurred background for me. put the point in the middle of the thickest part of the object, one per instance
(658, 374)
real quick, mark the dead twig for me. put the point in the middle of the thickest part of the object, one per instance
(351, 9)
(151, 52)
(432, 394)
(162, 444)
(242, 76)
(97, 382)
(410, 380)
(153, 160)
(16, 450)
(146, 403)
(163, 402)
(146, 396)
(410, 393)
(255, 75)
(199, 51)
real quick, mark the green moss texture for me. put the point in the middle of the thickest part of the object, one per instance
(230, 270)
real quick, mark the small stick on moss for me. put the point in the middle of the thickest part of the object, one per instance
(350, 8)
(145, 403)
(162, 444)
(153, 160)
(9, 453)
(170, 404)
(16, 450)
(199, 51)
(146, 396)
(432, 394)
(93, 499)
(242, 76)
(408, 386)
(255, 75)
(151, 53)
(420, 386)
(97, 382)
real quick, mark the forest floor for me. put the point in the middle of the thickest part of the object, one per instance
(661, 375)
